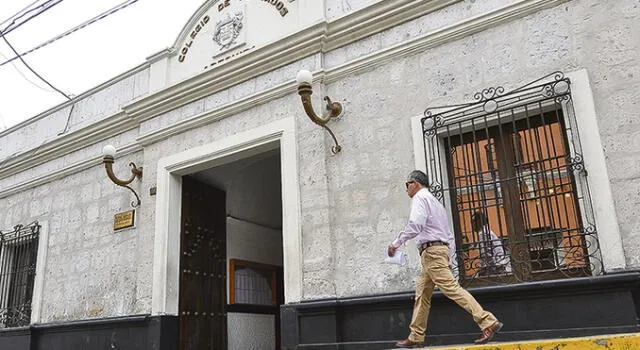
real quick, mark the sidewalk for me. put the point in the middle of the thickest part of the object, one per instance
(603, 342)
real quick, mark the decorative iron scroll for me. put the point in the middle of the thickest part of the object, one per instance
(510, 166)
(18, 253)
(494, 100)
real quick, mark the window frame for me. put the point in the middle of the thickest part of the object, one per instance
(9, 246)
(585, 119)
(531, 121)
(271, 269)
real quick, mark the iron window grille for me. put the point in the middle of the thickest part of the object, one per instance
(18, 254)
(510, 167)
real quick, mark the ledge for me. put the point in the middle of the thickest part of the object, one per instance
(131, 332)
(15, 331)
(627, 280)
(618, 341)
(580, 307)
(109, 321)
(316, 39)
(60, 146)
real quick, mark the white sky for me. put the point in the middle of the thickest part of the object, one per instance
(85, 58)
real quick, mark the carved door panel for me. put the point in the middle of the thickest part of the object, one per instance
(203, 297)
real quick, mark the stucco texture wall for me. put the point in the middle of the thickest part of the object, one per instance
(366, 180)
(353, 203)
(91, 271)
(251, 332)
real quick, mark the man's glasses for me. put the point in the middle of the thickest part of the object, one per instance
(408, 183)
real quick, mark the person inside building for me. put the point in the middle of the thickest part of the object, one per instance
(494, 260)
(429, 226)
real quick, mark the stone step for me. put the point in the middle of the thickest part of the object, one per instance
(629, 341)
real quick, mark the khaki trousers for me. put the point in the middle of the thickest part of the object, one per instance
(436, 272)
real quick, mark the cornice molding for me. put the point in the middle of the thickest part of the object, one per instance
(193, 20)
(217, 114)
(441, 36)
(378, 17)
(302, 44)
(64, 172)
(316, 39)
(108, 127)
(78, 98)
(453, 32)
(324, 37)
(159, 55)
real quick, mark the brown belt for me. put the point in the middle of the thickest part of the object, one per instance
(426, 245)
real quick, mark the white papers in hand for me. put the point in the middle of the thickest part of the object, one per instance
(400, 258)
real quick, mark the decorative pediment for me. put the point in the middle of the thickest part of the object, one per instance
(222, 30)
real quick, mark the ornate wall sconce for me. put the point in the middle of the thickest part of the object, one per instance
(332, 109)
(108, 154)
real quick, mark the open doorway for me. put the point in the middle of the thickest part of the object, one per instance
(238, 223)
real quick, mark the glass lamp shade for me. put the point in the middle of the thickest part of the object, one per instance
(109, 151)
(304, 76)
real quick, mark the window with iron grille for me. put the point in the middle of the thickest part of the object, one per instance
(510, 167)
(18, 253)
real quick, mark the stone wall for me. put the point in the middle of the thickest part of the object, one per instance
(90, 270)
(367, 199)
(353, 203)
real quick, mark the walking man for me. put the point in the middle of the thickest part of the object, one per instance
(429, 225)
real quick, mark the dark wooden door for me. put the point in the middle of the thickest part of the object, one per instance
(203, 297)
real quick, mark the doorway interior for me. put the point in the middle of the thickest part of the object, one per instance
(231, 256)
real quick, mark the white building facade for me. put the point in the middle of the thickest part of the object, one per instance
(252, 232)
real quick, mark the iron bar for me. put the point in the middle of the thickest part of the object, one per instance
(18, 253)
(516, 158)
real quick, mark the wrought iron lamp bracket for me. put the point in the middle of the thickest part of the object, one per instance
(136, 173)
(332, 110)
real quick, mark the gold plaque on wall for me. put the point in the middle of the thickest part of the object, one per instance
(123, 220)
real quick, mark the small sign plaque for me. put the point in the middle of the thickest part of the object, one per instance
(123, 220)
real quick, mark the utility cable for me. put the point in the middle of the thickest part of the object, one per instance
(81, 26)
(73, 105)
(18, 13)
(66, 125)
(71, 31)
(33, 71)
(43, 8)
(11, 26)
(27, 78)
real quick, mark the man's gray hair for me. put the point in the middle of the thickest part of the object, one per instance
(419, 177)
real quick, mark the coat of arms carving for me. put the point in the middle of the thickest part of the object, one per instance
(228, 29)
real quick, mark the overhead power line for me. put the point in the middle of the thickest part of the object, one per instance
(58, 37)
(18, 13)
(17, 22)
(72, 30)
(44, 80)
(27, 78)
(33, 71)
